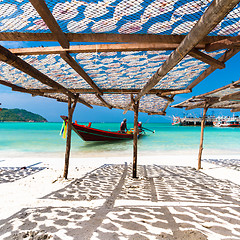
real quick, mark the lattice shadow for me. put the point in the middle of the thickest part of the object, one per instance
(228, 163)
(139, 222)
(97, 184)
(11, 174)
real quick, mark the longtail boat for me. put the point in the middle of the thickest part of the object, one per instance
(91, 134)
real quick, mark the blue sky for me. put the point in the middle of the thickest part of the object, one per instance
(51, 109)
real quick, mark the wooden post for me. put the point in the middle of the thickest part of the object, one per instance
(135, 138)
(69, 133)
(201, 139)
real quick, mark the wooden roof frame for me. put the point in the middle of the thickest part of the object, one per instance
(201, 100)
(181, 45)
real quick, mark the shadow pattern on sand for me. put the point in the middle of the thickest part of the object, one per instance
(11, 174)
(97, 184)
(169, 203)
(228, 163)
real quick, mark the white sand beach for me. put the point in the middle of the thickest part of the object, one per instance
(100, 200)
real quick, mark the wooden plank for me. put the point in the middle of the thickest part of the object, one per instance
(99, 48)
(201, 137)
(224, 58)
(206, 58)
(135, 138)
(156, 113)
(212, 16)
(104, 37)
(234, 86)
(170, 99)
(52, 24)
(11, 59)
(68, 59)
(103, 101)
(20, 89)
(175, 92)
(229, 43)
(166, 106)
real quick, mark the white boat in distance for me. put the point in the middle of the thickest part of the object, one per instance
(227, 122)
(210, 121)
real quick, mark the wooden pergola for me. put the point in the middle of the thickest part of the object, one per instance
(130, 55)
(227, 97)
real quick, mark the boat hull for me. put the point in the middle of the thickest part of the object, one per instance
(227, 125)
(92, 134)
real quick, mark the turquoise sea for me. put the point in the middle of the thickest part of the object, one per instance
(36, 138)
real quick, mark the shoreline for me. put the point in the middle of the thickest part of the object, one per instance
(126, 153)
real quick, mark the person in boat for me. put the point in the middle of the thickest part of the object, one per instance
(140, 127)
(123, 127)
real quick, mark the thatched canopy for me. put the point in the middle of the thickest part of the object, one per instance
(227, 97)
(110, 50)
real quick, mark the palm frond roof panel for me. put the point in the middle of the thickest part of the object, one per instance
(115, 16)
(109, 70)
(227, 97)
(148, 104)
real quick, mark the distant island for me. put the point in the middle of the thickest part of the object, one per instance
(19, 115)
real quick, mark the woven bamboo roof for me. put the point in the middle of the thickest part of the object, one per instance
(227, 97)
(112, 49)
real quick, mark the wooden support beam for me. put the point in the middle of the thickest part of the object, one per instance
(157, 113)
(99, 48)
(170, 99)
(206, 58)
(52, 24)
(201, 138)
(103, 101)
(174, 92)
(104, 37)
(228, 43)
(234, 86)
(71, 108)
(235, 109)
(224, 58)
(68, 59)
(11, 59)
(109, 91)
(232, 96)
(135, 138)
(20, 89)
(165, 108)
(212, 16)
